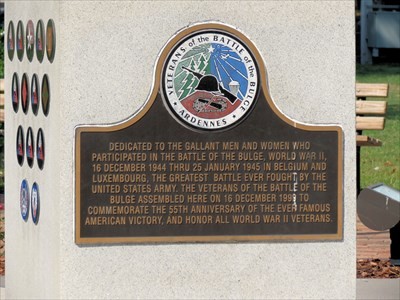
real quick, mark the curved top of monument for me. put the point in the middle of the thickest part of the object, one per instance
(214, 37)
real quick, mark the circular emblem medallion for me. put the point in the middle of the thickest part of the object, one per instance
(24, 200)
(50, 40)
(30, 147)
(20, 145)
(10, 40)
(35, 94)
(35, 203)
(210, 81)
(45, 95)
(40, 148)
(40, 40)
(20, 40)
(15, 92)
(30, 40)
(25, 93)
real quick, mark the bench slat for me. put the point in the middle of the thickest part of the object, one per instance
(372, 89)
(363, 140)
(2, 86)
(1, 100)
(370, 123)
(371, 107)
(1, 115)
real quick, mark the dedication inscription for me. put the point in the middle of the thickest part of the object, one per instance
(208, 157)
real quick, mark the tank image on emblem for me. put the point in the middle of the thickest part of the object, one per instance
(35, 94)
(24, 200)
(45, 95)
(35, 203)
(11, 40)
(30, 40)
(50, 40)
(25, 93)
(39, 40)
(15, 92)
(20, 40)
(20, 146)
(40, 149)
(30, 147)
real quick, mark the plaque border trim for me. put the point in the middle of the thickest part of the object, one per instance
(155, 87)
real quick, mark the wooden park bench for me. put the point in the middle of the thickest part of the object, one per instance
(370, 115)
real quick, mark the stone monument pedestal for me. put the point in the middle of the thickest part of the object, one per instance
(101, 62)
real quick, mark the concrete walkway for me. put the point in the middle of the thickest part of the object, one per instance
(378, 289)
(2, 289)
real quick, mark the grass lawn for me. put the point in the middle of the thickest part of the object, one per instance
(382, 164)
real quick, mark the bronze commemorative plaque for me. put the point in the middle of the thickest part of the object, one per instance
(208, 158)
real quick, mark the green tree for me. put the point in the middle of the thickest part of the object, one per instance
(187, 86)
(202, 64)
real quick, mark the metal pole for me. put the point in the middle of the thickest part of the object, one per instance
(395, 244)
(365, 8)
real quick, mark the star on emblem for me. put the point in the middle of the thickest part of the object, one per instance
(210, 49)
(30, 39)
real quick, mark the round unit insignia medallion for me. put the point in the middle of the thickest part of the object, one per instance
(25, 93)
(35, 94)
(30, 40)
(24, 200)
(40, 149)
(10, 40)
(15, 92)
(20, 40)
(35, 203)
(45, 95)
(30, 155)
(40, 40)
(50, 40)
(210, 81)
(20, 145)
